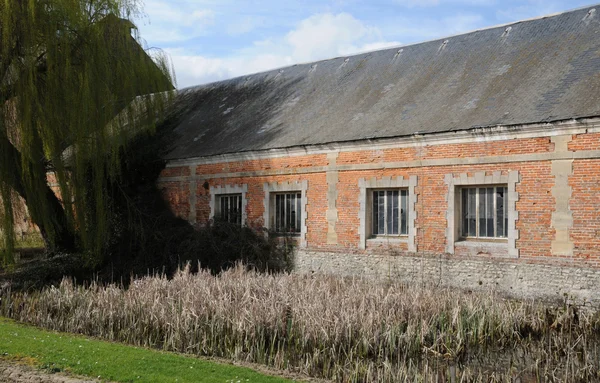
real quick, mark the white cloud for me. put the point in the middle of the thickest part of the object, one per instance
(324, 35)
(175, 21)
(369, 47)
(193, 69)
(318, 37)
(176, 13)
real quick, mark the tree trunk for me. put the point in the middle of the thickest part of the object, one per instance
(55, 229)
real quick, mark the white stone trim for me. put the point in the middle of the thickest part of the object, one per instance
(331, 214)
(479, 178)
(193, 196)
(562, 216)
(228, 189)
(387, 182)
(278, 187)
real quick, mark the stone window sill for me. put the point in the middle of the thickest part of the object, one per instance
(500, 241)
(390, 240)
(280, 235)
(496, 248)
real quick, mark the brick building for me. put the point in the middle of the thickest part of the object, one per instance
(470, 161)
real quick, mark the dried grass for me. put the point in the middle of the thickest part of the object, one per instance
(323, 326)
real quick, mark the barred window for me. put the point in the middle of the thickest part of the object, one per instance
(229, 208)
(484, 212)
(288, 212)
(390, 212)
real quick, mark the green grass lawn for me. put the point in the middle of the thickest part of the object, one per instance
(111, 361)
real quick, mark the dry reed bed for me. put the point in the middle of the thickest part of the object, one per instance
(342, 329)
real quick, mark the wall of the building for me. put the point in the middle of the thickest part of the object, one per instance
(554, 172)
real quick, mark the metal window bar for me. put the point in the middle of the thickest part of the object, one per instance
(298, 212)
(404, 212)
(485, 212)
(230, 209)
(505, 212)
(222, 211)
(389, 212)
(279, 212)
(288, 212)
(481, 212)
(501, 209)
(472, 212)
(490, 209)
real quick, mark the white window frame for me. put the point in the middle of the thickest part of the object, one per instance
(274, 188)
(453, 213)
(216, 192)
(367, 186)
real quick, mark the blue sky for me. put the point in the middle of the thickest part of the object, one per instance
(211, 40)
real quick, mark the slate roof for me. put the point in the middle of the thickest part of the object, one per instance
(540, 70)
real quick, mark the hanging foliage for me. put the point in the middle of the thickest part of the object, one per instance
(75, 87)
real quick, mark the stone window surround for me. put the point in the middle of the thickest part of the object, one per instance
(480, 179)
(228, 189)
(387, 183)
(280, 187)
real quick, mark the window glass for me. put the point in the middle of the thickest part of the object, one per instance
(229, 208)
(471, 212)
(404, 212)
(287, 213)
(465, 214)
(484, 212)
(298, 210)
(390, 210)
(501, 212)
(490, 212)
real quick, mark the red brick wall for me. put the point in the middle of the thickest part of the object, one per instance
(316, 209)
(177, 195)
(175, 172)
(590, 141)
(585, 205)
(368, 156)
(263, 164)
(348, 205)
(535, 205)
(491, 148)
(427, 152)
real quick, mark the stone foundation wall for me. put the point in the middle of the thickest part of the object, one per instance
(573, 285)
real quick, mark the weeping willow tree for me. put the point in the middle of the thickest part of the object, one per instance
(75, 86)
